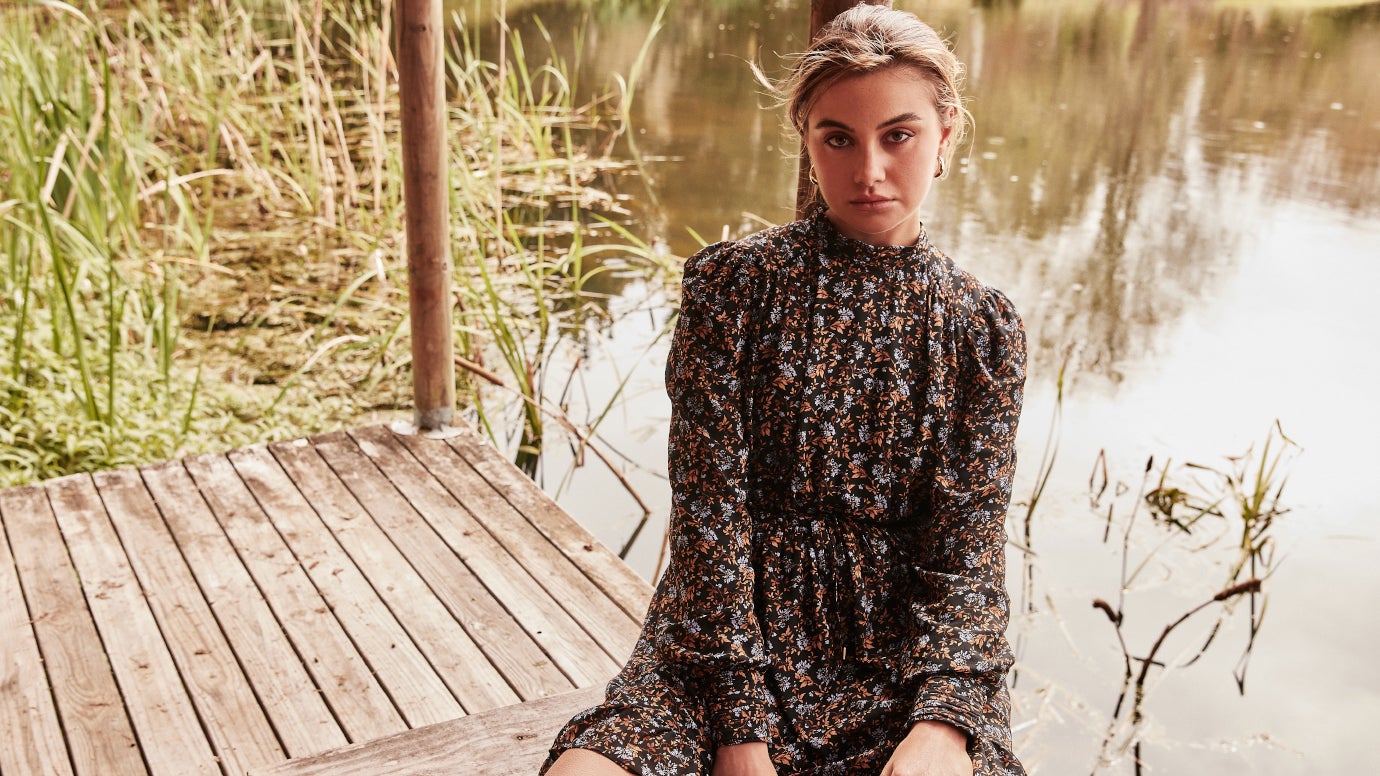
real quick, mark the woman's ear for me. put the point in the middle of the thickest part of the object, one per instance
(946, 120)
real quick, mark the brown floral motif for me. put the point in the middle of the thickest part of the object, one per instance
(841, 459)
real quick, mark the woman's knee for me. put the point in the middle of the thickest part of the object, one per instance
(584, 762)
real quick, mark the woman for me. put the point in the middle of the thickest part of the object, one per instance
(844, 407)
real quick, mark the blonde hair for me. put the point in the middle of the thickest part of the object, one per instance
(869, 38)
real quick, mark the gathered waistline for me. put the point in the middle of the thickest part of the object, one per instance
(860, 562)
(787, 519)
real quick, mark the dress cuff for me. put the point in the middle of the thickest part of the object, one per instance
(738, 707)
(957, 700)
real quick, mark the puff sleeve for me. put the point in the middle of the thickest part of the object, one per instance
(976, 394)
(702, 618)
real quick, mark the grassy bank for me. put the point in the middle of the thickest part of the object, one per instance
(201, 227)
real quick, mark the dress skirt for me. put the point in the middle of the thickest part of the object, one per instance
(839, 700)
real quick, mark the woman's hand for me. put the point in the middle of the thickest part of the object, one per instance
(750, 759)
(931, 749)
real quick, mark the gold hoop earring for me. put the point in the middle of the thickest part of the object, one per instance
(939, 172)
(812, 177)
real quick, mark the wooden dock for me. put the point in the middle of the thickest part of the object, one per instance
(359, 602)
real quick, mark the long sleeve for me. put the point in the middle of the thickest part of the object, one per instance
(702, 618)
(963, 614)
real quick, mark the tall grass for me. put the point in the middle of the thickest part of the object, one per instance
(89, 325)
(529, 210)
(201, 231)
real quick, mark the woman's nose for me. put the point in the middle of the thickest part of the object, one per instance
(871, 167)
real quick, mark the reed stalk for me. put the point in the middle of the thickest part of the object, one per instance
(1196, 507)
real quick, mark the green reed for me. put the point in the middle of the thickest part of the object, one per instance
(88, 326)
(201, 227)
(522, 257)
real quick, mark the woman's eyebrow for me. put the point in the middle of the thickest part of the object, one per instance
(901, 119)
(836, 124)
(832, 124)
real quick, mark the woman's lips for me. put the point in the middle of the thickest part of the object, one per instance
(871, 203)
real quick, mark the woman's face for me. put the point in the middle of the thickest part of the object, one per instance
(874, 140)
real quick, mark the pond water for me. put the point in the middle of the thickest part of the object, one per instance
(1183, 199)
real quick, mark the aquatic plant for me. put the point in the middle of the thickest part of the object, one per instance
(1192, 508)
(528, 271)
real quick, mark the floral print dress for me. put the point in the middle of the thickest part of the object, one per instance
(843, 419)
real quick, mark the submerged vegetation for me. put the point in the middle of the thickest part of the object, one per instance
(201, 227)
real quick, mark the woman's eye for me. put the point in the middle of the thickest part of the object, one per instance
(899, 136)
(836, 141)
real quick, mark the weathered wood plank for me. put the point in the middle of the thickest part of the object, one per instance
(30, 733)
(415, 688)
(100, 738)
(295, 485)
(512, 741)
(168, 730)
(172, 610)
(611, 627)
(344, 678)
(228, 712)
(507, 645)
(618, 581)
(569, 645)
(290, 698)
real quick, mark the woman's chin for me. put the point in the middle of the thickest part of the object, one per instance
(877, 226)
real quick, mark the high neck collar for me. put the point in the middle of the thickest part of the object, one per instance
(841, 246)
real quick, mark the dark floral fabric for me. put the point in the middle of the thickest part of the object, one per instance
(842, 429)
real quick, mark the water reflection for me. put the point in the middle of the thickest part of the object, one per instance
(1122, 143)
(1117, 144)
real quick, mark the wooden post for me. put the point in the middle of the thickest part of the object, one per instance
(821, 13)
(426, 198)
